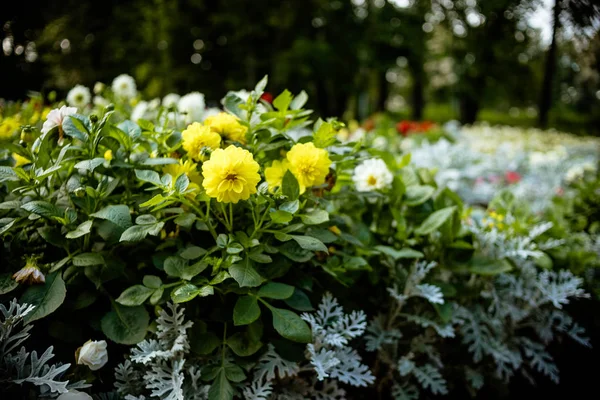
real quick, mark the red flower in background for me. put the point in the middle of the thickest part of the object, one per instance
(369, 125)
(406, 127)
(268, 97)
(512, 177)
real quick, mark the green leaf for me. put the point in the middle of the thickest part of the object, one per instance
(324, 136)
(137, 233)
(131, 129)
(135, 295)
(246, 310)
(299, 301)
(192, 252)
(185, 292)
(282, 102)
(117, 214)
(88, 259)
(281, 217)
(243, 345)
(234, 248)
(125, 325)
(7, 283)
(245, 275)
(185, 220)
(294, 252)
(42, 208)
(275, 290)
(488, 266)
(299, 101)
(190, 272)
(204, 343)
(73, 127)
(290, 206)
(46, 298)
(147, 175)
(310, 243)
(152, 281)
(315, 217)
(234, 372)
(289, 325)
(174, 266)
(434, 221)
(83, 229)
(181, 183)
(7, 174)
(145, 219)
(221, 389)
(289, 186)
(397, 254)
(90, 165)
(418, 194)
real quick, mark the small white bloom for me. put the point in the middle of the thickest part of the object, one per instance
(380, 143)
(56, 117)
(99, 87)
(93, 354)
(139, 110)
(79, 96)
(192, 107)
(575, 173)
(154, 104)
(171, 100)
(74, 395)
(100, 101)
(372, 175)
(124, 86)
(210, 112)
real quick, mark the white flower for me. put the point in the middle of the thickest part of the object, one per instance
(380, 143)
(170, 100)
(210, 112)
(74, 395)
(56, 117)
(575, 173)
(100, 101)
(372, 175)
(79, 96)
(99, 87)
(93, 354)
(139, 110)
(124, 86)
(192, 106)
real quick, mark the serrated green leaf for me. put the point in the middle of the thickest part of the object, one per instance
(289, 325)
(88, 259)
(245, 275)
(117, 214)
(83, 229)
(315, 217)
(135, 295)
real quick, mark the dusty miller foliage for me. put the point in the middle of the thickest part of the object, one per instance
(330, 360)
(495, 330)
(19, 367)
(163, 368)
(157, 368)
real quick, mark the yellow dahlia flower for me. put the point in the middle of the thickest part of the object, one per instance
(274, 174)
(197, 138)
(227, 126)
(230, 175)
(309, 164)
(108, 155)
(188, 168)
(8, 127)
(20, 160)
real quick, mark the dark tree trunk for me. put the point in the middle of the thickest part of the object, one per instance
(418, 87)
(384, 91)
(549, 70)
(469, 108)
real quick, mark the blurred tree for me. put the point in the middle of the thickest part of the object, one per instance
(582, 17)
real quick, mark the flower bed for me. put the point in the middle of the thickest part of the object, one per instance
(182, 252)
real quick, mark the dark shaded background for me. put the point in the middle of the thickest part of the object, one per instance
(435, 59)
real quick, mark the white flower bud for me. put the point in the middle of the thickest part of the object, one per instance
(93, 354)
(74, 395)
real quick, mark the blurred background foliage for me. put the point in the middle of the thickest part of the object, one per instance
(421, 59)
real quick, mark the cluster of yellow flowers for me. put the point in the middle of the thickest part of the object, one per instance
(496, 220)
(231, 174)
(8, 127)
